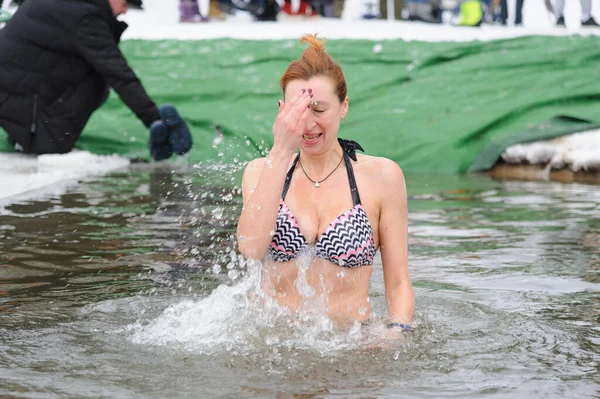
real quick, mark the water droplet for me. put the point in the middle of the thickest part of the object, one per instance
(216, 269)
(217, 213)
(362, 311)
(341, 275)
(233, 274)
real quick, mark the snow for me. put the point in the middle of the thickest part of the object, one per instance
(27, 176)
(579, 151)
(23, 176)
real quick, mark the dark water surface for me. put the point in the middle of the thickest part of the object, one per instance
(129, 286)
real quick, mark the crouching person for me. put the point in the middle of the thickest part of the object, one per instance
(58, 61)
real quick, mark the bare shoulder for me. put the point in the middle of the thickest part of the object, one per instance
(382, 171)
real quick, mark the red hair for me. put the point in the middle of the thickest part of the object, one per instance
(315, 62)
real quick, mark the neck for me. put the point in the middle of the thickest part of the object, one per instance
(322, 163)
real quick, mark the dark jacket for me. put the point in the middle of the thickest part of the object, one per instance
(52, 47)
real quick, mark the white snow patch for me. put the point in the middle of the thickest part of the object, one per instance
(27, 176)
(579, 151)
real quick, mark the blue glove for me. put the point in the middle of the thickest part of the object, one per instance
(160, 149)
(180, 138)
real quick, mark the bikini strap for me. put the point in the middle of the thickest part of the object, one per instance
(288, 177)
(349, 148)
(352, 180)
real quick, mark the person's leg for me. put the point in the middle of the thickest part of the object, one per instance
(504, 12)
(58, 126)
(328, 9)
(559, 8)
(189, 11)
(519, 14)
(586, 13)
(586, 9)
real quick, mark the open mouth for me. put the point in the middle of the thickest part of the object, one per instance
(311, 137)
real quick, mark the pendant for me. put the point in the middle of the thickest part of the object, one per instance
(317, 184)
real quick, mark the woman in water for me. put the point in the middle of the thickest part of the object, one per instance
(325, 201)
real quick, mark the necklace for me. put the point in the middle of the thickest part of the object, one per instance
(318, 183)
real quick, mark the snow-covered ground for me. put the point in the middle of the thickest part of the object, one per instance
(24, 176)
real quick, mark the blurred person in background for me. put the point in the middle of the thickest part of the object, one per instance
(189, 11)
(59, 59)
(325, 8)
(459, 12)
(518, 13)
(260, 10)
(424, 11)
(298, 8)
(586, 13)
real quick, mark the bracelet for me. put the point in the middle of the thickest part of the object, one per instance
(405, 327)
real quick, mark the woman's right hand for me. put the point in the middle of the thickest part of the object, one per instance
(291, 121)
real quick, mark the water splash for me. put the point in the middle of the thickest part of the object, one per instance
(242, 319)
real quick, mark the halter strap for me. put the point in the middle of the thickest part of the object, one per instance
(352, 180)
(288, 177)
(349, 169)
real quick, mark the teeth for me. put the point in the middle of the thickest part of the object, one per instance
(310, 136)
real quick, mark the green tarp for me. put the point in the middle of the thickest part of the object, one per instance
(441, 107)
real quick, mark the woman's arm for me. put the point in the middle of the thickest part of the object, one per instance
(263, 179)
(393, 243)
(262, 185)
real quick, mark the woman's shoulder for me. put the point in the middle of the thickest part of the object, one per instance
(382, 177)
(384, 168)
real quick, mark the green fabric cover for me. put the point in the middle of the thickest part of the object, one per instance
(441, 107)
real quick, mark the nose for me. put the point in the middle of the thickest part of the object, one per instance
(310, 121)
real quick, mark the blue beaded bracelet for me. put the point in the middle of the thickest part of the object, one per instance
(405, 327)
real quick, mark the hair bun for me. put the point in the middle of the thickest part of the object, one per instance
(313, 42)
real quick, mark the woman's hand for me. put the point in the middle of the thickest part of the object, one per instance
(291, 121)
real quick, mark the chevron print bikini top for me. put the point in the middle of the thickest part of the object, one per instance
(347, 241)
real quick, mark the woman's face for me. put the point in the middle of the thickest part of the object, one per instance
(326, 110)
